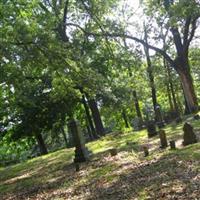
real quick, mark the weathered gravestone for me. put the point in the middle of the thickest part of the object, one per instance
(113, 152)
(189, 136)
(146, 151)
(172, 144)
(163, 139)
(81, 152)
(151, 129)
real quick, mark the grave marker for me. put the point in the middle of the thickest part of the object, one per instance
(189, 136)
(81, 153)
(163, 139)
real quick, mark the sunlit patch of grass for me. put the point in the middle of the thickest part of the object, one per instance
(142, 195)
(189, 152)
(104, 171)
(116, 140)
(34, 172)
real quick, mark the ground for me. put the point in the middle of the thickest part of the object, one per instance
(164, 174)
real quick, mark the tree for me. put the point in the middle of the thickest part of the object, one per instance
(181, 17)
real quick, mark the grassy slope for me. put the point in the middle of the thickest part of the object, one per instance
(165, 174)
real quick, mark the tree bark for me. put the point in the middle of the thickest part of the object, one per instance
(137, 107)
(188, 89)
(170, 88)
(125, 118)
(64, 136)
(89, 119)
(176, 107)
(157, 112)
(169, 97)
(96, 117)
(41, 144)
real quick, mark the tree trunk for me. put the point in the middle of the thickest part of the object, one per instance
(188, 89)
(158, 116)
(171, 89)
(64, 136)
(176, 107)
(125, 118)
(41, 144)
(169, 98)
(96, 117)
(137, 107)
(89, 119)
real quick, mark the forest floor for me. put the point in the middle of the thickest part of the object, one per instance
(164, 174)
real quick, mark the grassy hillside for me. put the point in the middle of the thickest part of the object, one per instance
(165, 174)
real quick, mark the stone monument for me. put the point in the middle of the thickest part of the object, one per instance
(151, 129)
(81, 152)
(189, 136)
(163, 139)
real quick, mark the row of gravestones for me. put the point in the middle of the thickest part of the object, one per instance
(138, 124)
(82, 153)
(189, 137)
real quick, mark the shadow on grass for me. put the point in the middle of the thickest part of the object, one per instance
(169, 177)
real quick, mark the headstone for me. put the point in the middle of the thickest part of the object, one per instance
(189, 136)
(81, 152)
(163, 139)
(196, 117)
(151, 129)
(146, 151)
(113, 152)
(172, 144)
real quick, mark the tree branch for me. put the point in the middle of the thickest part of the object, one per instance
(186, 30)
(192, 32)
(177, 40)
(120, 35)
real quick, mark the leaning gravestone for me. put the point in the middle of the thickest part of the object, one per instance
(151, 129)
(189, 136)
(163, 139)
(113, 152)
(172, 144)
(81, 152)
(146, 151)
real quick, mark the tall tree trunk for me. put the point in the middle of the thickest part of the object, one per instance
(158, 116)
(96, 117)
(41, 144)
(176, 107)
(125, 118)
(64, 136)
(89, 119)
(157, 112)
(89, 131)
(171, 88)
(188, 89)
(169, 97)
(137, 107)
